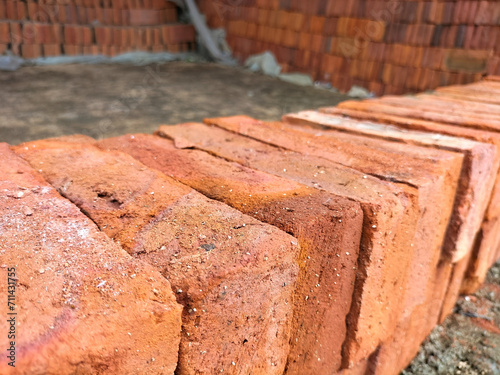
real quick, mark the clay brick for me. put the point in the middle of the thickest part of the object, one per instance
(178, 34)
(319, 329)
(376, 298)
(51, 50)
(72, 50)
(4, 32)
(103, 35)
(234, 275)
(356, 152)
(481, 164)
(31, 51)
(487, 240)
(91, 313)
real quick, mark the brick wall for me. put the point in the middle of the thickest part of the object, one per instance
(33, 29)
(389, 47)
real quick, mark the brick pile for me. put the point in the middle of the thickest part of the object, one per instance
(388, 47)
(33, 29)
(332, 241)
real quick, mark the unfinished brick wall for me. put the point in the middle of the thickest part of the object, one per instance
(324, 243)
(388, 47)
(33, 29)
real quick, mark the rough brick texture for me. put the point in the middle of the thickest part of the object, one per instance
(387, 110)
(390, 211)
(234, 275)
(473, 194)
(83, 304)
(328, 228)
(436, 183)
(481, 162)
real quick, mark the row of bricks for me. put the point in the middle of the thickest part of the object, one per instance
(446, 59)
(230, 147)
(461, 276)
(461, 36)
(235, 286)
(370, 67)
(383, 219)
(33, 51)
(38, 33)
(17, 10)
(303, 151)
(434, 12)
(404, 316)
(479, 120)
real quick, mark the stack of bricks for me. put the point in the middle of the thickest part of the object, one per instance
(388, 47)
(330, 242)
(33, 29)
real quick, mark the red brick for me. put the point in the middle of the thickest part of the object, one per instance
(4, 32)
(238, 288)
(72, 50)
(481, 164)
(316, 24)
(368, 314)
(31, 51)
(11, 9)
(91, 50)
(107, 318)
(170, 16)
(487, 240)
(51, 50)
(145, 17)
(338, 149)
(178, 33)
(16, 35)
(103, 35)
(319, 328)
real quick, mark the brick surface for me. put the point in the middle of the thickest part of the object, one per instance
(473, 195)
(485, 242)
(436, 182)
(327, 226)
(234, 275)
(481, 163)
(390, 215)
(83, 304)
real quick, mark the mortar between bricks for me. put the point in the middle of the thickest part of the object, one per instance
(390, 216)
(234, 276)
(83, 304)
(327, 226)
(433, 182)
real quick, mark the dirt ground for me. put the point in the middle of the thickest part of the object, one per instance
(109, 100)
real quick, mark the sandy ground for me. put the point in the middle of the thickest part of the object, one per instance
(109, 100)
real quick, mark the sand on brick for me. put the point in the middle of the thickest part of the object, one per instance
(83, 304)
